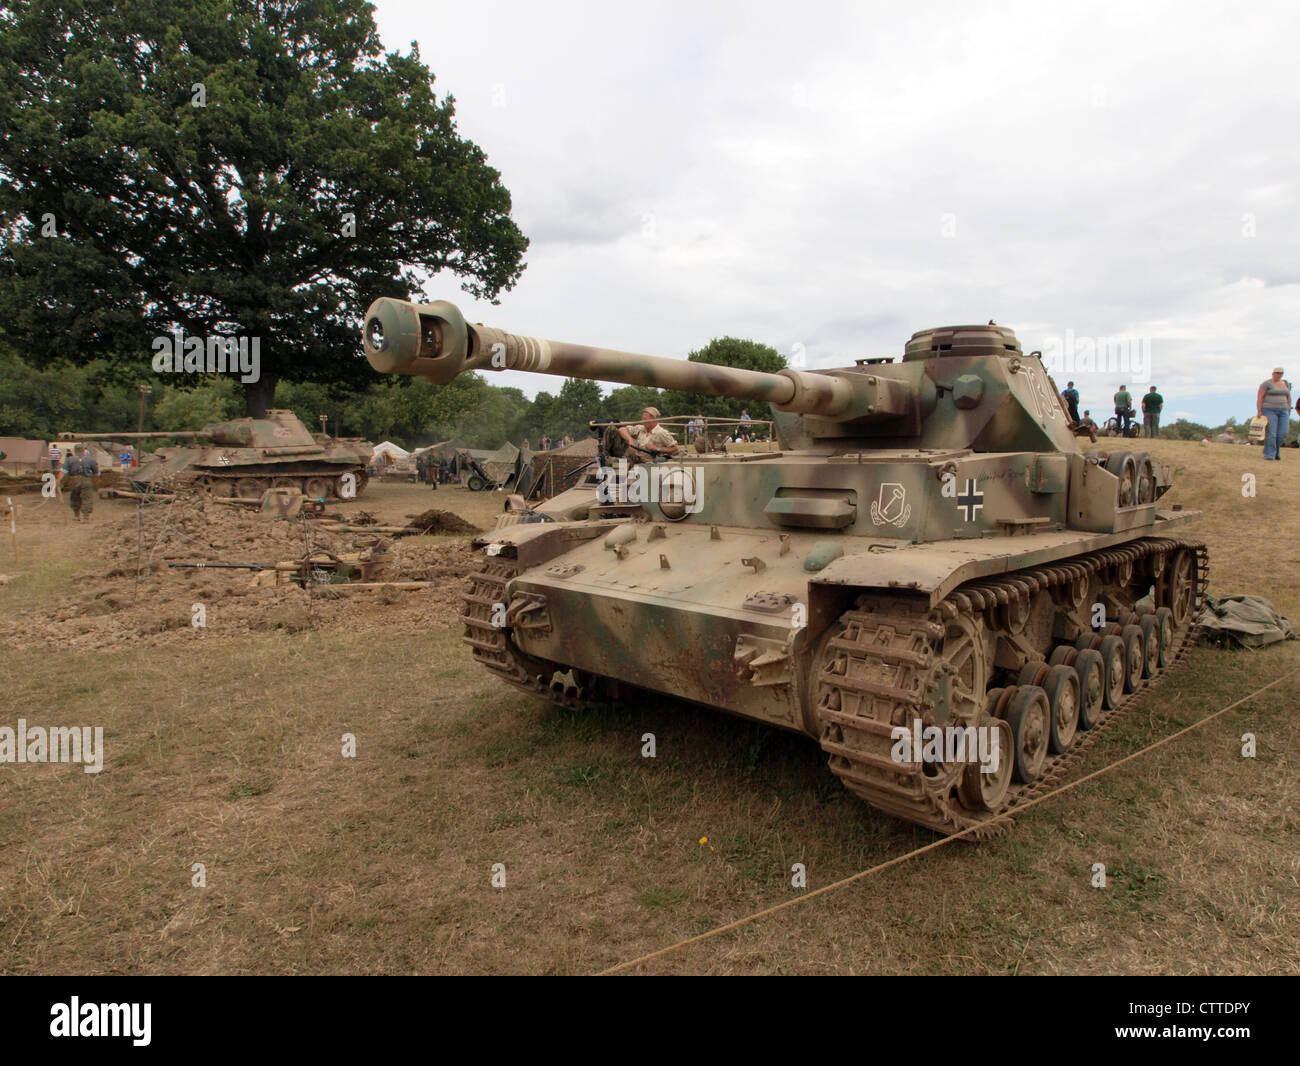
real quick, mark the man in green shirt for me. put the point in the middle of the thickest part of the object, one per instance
(1152, 403)
(1124, 409)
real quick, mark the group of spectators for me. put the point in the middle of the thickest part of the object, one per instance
(1273, 402)
(1152, 404)
(545, 444)
(744, 428)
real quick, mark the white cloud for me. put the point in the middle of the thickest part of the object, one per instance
(783, 171)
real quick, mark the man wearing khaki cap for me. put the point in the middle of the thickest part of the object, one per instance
(650, 438)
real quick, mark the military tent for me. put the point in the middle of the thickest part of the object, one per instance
(23, 456)
(554, 471)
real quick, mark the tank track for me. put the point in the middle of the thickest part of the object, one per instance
(487, 640)
(879, 676)
(889, 638)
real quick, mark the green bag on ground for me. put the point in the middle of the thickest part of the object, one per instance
(1242, 622)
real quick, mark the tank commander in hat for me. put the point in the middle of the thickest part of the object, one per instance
(650, 438)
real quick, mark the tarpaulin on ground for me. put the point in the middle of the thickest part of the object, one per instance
(1243, 622)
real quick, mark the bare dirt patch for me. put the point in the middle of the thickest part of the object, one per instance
(136, 585)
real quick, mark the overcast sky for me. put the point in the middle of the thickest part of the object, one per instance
(830, 178)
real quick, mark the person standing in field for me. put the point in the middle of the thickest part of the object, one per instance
(1124, 409)
(1152, 404)
(1273, 401)
(80, 470)
(1071, 397)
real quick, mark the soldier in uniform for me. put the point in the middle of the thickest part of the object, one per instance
(80, 470)
(650, 439)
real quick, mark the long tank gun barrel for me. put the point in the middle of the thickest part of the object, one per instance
(434, 341)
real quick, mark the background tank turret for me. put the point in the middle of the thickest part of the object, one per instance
(930, 577)
(246, 456)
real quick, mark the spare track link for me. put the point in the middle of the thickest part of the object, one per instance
(893, 643)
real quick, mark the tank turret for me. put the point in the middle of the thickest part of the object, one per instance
(930, 549)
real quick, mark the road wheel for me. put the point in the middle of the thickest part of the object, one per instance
(1090, 669)
(1062, 688)
(1033, 672)
(1135, 654)
(251, 488)
(1151, 643)
(1029, 717)
(1113, 673)
(1062, 655)
(1178, 589)
(318, 488)
(1165, 620)
(1124, 467)
(987, 790)
(1146, 479)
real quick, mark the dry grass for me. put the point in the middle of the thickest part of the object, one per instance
(228, 753)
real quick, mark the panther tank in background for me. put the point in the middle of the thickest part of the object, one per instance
(930, 570)
(246, 456)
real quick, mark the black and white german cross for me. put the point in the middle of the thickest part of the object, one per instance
(971, 500)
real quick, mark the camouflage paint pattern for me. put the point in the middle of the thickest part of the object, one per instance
(275, 448)
(913, 476)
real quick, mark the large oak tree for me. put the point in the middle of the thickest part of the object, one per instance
(240, 168)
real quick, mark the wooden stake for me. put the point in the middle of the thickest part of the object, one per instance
(13, 527)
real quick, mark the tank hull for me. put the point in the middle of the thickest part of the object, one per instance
(840, 634)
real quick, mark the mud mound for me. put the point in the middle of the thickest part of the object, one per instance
(129, 595)
(435, 521)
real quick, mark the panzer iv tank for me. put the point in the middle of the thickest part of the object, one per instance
(930, 577)
(246, 456)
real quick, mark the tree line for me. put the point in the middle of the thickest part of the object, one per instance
(39, 401)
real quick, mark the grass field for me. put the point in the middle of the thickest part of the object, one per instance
(226, 751)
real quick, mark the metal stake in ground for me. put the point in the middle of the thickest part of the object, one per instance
(13, 527)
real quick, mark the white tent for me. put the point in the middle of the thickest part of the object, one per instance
(389, 448)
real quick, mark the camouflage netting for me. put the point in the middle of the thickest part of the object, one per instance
(1243, 622)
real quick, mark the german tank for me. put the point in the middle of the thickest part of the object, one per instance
(246, 456)
(929, 577)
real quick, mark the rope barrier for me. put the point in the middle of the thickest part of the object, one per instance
(935, 845)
